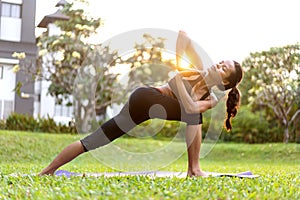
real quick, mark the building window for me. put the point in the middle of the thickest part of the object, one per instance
(11, 10)
(11, 21)
(1, 72)
(6, 108)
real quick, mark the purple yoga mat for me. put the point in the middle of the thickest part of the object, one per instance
(66, 173)
(246, 174)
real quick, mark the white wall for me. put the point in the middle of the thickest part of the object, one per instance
(46, 105)
(53, 30)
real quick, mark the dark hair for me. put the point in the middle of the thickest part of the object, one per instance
(232, 105)
(233, 99)
(234, 78)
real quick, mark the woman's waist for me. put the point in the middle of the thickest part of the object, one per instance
(166, 90)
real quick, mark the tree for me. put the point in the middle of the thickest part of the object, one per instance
(275, 84)
(147, 64)
(66, 57)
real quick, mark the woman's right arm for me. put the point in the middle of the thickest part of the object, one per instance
(191, 106)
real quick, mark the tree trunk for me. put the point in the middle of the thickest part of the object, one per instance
(297, 139)
(286, 135)
(87, 120)
(78, 116)
(84, 126)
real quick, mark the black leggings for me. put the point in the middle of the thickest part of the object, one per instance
(143, 104)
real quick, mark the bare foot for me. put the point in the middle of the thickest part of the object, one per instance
(197, 173)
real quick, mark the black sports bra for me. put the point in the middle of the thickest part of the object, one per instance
(189, 84)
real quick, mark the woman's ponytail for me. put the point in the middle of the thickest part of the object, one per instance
(232, 105)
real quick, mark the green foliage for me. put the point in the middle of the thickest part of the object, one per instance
(248, 127)
(2, 124)
(48, 125)
(25, 122)
(253, 127)
(272, 81)
(22, 122)
(147, 65)
(79, 23)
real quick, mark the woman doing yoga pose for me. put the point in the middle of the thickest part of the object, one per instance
(184, 98)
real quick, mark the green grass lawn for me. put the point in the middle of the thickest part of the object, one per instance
(27, 153)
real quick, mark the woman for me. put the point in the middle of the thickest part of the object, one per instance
(184, 98)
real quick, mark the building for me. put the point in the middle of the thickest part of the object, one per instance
(17, 34)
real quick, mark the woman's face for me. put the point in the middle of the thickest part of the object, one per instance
(223, 69)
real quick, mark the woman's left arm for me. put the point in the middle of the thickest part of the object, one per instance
(191, 106)
(184, 45)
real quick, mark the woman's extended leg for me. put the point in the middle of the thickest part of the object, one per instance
(66, 155)
(110, 130)
(114, 128)
(184, 45)
(193, 141)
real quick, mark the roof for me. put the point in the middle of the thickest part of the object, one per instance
(48, 19)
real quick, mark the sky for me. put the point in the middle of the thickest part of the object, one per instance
(225, 29)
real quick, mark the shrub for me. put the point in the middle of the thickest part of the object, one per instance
(67, 129)
(48, 125)
(248, 126)
(252, 127)
(2, 124)
(25, 122)
(22, 122)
